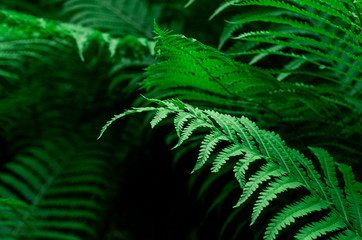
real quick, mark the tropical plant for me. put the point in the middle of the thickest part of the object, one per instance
(274, 110)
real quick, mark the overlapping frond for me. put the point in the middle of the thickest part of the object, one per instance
(353, 196)
(207, 146)
(330, 223)
(118, 17)
(323, 35)
(293, 66)
(286, 169)
(191, 71)
(25, 38)
(289, 214)
(266, 173)
(54, 179)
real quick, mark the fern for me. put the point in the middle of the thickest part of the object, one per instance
(265, 174)
(55, 190)
(207, 146)
(353, 196)
(287, 167)
(116, 17)
(208, 77)
(290, 67)
(56, 185)
(333, 37)
(288, 215)
(12, 212)
(316, 42)
(52, 39)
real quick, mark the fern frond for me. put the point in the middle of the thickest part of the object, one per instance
(280, 151)
(222, 7)
(329, 170)
(203, 68)
(242, 166)
(266, 173)
(288, 215)
(312, 173)
(53, 184)
(194, 124)
(353, 196)
(159, 116)
(297, 46)
(282, 184)
(104, 128)
(330, 223)
(286, 168)
(54, 37)
(228, 152)
(180, 120)
(301, 11)
(305, 34)
(207, 146)
(346, 235)
(118, 17)
(254, 131)
(194, 72)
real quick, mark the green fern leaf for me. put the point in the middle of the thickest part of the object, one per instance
(119, 17)
(266, 173)
(64, 170)
(319, 186)
(276, 187)
(207, 146)
(254, 131)
(243, 164)
(287, 168)
(245, 136)
(180, 120)
(279, 151)
(346, 235)
(353, 196)
(193, 125)
(224, 155)
(222, 123)
(330, 223)
(222, 7)
(204, 69)
(104, 128)
(160, 115)
(288, 215)
(294, 8)
(329, 169)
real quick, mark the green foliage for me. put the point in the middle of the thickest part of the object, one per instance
(54, 179)
(201, 75)
(316, 38)
(209, 76)
(273, 110)
(284, 169)
(119, 17)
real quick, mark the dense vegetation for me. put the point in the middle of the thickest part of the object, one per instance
(265, 94)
